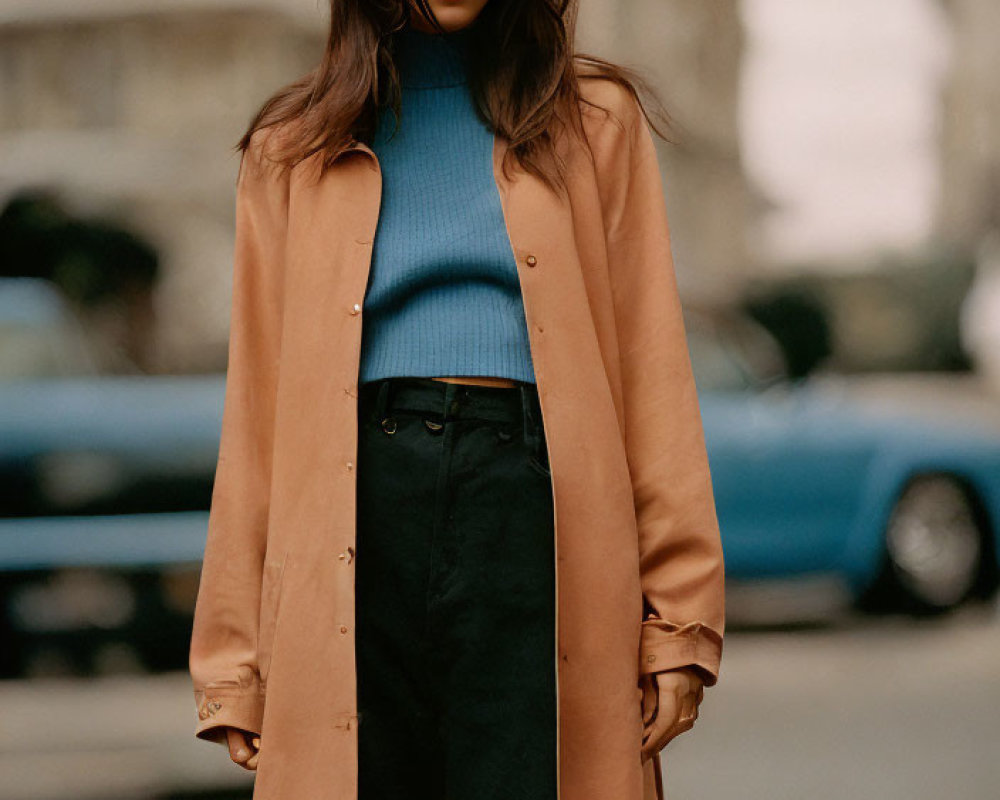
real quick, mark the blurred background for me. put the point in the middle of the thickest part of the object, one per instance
(834, 194)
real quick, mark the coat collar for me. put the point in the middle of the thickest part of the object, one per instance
(356, 144)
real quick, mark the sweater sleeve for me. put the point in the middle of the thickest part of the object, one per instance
(680, 551)
(223, 653)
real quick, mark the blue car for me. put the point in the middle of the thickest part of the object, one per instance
(899, 508)
(104, 497)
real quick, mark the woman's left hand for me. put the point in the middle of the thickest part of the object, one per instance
(670, 702)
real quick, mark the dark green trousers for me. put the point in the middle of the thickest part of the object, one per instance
(455, 588)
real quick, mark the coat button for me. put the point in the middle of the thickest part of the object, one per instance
(531, 261)
(343, 629)
(356, 309)
(350, 465)
(650, 658)
(214, 706)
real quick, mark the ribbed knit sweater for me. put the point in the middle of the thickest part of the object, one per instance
(443, 295)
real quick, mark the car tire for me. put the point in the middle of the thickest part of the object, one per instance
(935, 549)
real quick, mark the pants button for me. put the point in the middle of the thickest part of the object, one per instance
(432, 426)
(389, 425)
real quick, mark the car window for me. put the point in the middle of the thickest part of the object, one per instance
(39, 336)
(732, 353)
(715, 368)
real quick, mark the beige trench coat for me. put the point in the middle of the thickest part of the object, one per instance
(273, 644)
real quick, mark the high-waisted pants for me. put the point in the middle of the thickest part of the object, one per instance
(455, 593)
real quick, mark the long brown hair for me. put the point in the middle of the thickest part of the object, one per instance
(523, 75)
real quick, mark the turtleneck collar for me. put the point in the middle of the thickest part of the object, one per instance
(432, 60)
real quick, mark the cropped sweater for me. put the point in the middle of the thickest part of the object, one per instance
(443, 295)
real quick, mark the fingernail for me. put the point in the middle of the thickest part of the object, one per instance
(241, 753)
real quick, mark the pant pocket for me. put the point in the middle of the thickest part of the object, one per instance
(538, 457)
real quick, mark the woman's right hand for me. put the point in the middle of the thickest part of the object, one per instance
(244, 747)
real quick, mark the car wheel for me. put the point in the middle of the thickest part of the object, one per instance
(934, 547)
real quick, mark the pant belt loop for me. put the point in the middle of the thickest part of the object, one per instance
(382, 401)
(450, 400)
(527, 417)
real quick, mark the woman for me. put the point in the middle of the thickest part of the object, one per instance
(467, 548)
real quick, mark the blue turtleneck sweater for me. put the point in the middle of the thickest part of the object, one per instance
(443, 295)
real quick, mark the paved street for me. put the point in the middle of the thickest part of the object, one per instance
(849, 710)
(872, 710)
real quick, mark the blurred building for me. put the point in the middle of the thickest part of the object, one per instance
(969, 214)
(129, 109)
(970, 124)
(692, 53)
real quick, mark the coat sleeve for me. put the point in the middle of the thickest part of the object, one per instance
(680, 551)
(223, 653)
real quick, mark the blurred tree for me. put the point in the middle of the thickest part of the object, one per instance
(900, 313)
(799, 320)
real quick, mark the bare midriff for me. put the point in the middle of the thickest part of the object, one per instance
(478, 380)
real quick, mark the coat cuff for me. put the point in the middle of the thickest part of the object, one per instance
(666, 645)
(221, 707)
